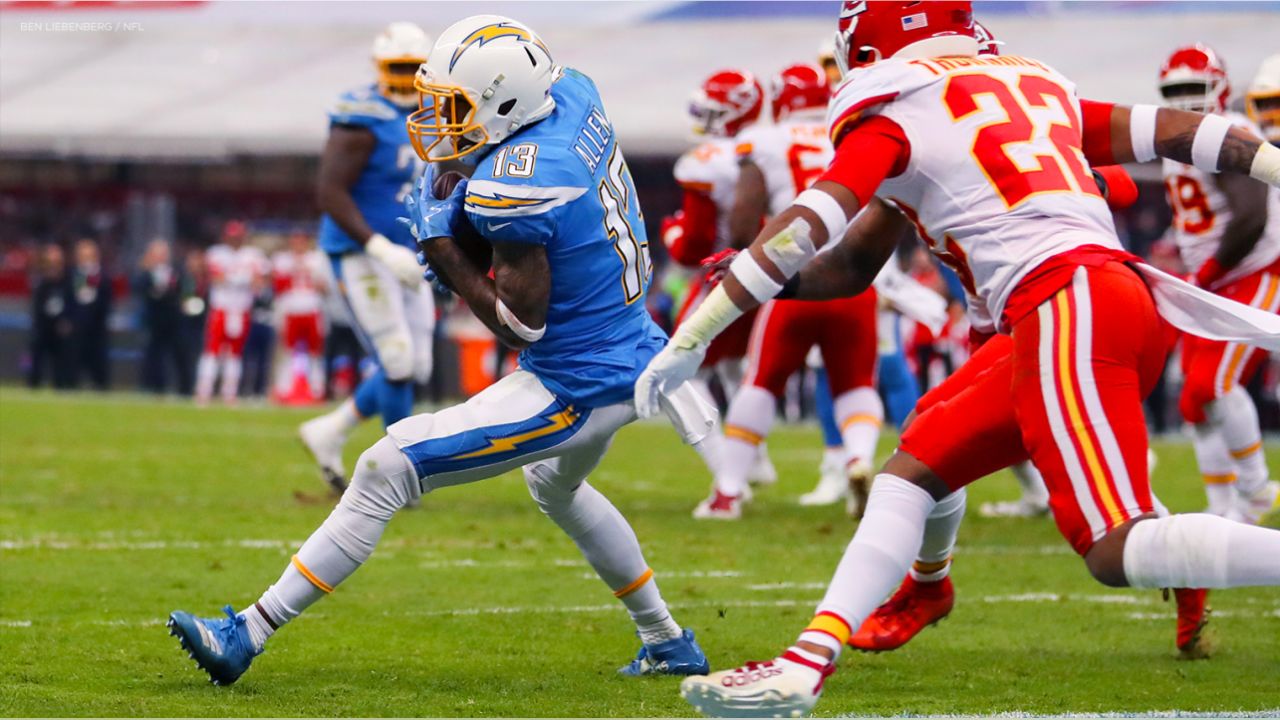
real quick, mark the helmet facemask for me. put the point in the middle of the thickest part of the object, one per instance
(396, 79)
(1192, 95)
(445, 112)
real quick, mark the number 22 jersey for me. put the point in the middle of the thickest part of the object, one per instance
(995, 179)
(562, 183)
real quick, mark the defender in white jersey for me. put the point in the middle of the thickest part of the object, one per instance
(727, 103)
(237, 272)
(301, 279)
(988, 157)
(1227, 229)
(779, 161)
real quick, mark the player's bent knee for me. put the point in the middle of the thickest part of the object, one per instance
(395, 355)
(383, 482)
(545, 487)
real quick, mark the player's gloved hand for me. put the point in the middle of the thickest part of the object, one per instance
(434, 218)
(677, 363)
(715, 267)
(429, 274)
(398, 258)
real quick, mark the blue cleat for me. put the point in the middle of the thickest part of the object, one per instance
(678, 656)
(220, 646)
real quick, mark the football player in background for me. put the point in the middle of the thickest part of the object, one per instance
(237, 272)
(728, 102)
(777, 162)
(367, 168)
(552, 195)
(1263, 99)
(301, 281)
(1037, 251)
(1227, 229)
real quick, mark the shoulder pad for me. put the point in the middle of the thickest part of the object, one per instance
(360, 107)
(707, 165)
(867, 89)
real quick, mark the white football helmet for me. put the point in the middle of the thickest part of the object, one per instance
(397, 52)
(487, 77)
(1263, 98)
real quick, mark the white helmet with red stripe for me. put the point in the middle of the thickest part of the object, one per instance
(1194, 78)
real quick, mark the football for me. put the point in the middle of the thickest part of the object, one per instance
(476, 248)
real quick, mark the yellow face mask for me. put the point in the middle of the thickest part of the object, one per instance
(395, 77)
(444, 112)
(1264, 109)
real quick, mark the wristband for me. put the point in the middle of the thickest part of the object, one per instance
(753, 277)
(522, 331)
(1142, 132)
(1208, 142)
(715, 313)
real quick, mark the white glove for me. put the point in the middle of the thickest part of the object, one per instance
(402, 261)
(666, 372)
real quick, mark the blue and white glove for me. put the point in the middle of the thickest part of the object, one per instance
(431, 218)
(429, 274)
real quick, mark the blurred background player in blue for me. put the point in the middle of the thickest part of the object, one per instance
(367, 168)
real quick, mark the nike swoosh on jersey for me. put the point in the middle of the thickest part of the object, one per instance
(499, 226)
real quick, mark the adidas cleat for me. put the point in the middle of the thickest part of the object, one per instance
(719, 507)
(220, 646)
(678, 656)
(1193, 619)
(758, 689)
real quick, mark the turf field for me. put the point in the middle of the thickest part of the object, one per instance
(115, 511)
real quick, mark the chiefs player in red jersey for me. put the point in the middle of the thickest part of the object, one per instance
(989, 158)
(1227, 229)
(727, 102)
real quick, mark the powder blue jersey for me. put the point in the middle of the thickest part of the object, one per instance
(562, 183)
(389, 175)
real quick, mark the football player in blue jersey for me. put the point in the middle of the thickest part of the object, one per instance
(551, 193)
(367, 169)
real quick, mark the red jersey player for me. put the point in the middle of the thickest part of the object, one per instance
(987, 156)
(301, 281)
(727, 103)
(777, 162)
(237, 272)
(1227, 229)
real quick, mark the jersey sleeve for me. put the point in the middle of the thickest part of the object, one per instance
(874, 149)
(867, 89)
(525, 210)
(361, 108)
(700, 169)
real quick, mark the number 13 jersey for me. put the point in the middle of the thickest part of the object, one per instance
(994, 177)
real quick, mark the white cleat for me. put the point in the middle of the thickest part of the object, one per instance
(859, 483)
(832, 487)
(1262, 503)
(767, 689)
(1020, 508)
(763, 472)
(324, 444)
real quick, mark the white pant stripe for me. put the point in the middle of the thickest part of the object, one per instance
(755, 344)
(1093, 411)
(1058, 425)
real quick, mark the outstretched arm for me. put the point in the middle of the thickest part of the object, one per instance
(852, 265)
(1119, 134)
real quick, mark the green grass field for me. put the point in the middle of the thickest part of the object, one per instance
(114, 512)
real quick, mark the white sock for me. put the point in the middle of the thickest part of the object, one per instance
(609, 544)
(1031, 482)
(315, 376)
(746, 424)
(206, 374)
(940, 532)
(1216, 467)
(1200, 551)
(345, 417)
(1237, 419)
(798, 660)
(887, 540)
(860, 414)
(384, 481)
(231, 367)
